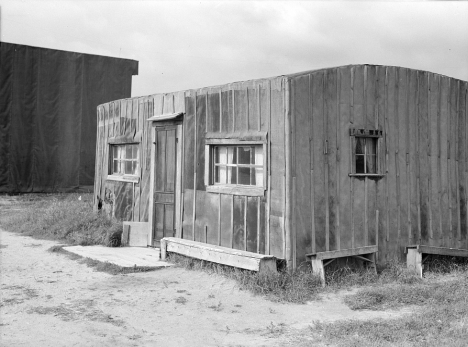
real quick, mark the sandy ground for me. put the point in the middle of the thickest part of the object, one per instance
(48, 299)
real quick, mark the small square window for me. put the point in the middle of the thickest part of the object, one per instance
(365, 152)
(124, 159)
(365, 155)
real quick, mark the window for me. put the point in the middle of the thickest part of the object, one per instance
(366, 155)
(365, 146)
(124, 159)
(238, 165)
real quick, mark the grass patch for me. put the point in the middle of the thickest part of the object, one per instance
(441, 317)
(100, 266)
(441, 325)
(65, 217)
(301, 285)
(298, 287)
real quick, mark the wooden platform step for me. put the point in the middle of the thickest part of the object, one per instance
(416, 255)
(217, 254)
(320, 260)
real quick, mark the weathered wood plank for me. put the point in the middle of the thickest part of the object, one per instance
(214, 114)
(452, 162)
(226, 213)
(201, 114)
(238, 220)
(462, 163)
(359, 193)
(222, 255)
(137, 233)
(277, 159)
(344, 252)
(425, 249)
(253, 110)
(331, 111)
(187, 225)
(252, 217)
(402, 86)
(444, 168)
(318, 159)
(302, 167)
(189, 141)
(206, 223)
(226, 110)
(423, 145)
(413, 153)
(343, 141)
(434, 130)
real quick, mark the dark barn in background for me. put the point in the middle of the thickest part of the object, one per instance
(320, 164)
(48, 101)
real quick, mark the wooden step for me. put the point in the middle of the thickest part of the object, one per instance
(320, 260)
(416, 255)
(217, 254)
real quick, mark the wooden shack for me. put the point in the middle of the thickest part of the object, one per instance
(320, 164)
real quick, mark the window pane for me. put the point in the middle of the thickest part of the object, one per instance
(244, 176)
(259, 177)
(359, 164)
(134, 151)
(115, 169)
(220, 174)
(371, 164)
(258, 155)
(360, 144)
(244, 155)
(128, 152)
(371, 149)
(216, 174)
(232, 175)
(121, 167)
(252, 177)
(128, 167)
(232, 155)
(220, 155)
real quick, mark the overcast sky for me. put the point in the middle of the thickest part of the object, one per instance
(184, 45)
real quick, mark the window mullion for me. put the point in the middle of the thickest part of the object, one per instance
(365, 155)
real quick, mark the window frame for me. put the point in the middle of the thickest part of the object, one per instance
(124, 177)
(234, 189)
(375, 134)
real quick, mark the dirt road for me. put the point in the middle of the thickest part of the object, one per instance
(48, 299)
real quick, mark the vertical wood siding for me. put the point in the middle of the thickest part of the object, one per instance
(422, 198)
(423, 154)
(239, 222)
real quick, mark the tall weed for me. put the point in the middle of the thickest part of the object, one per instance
(65, 217)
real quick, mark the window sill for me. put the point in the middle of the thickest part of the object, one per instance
(366, 175)
(236, 190)
(124, 178)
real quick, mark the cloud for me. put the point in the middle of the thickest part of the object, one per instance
(182, 45)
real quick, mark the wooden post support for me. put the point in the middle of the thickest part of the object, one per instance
(414, 261)
(318, 269)
(163, 249)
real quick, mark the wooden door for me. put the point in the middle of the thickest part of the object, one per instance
(164, 183)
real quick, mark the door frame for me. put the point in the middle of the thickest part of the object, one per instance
(178, 183)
